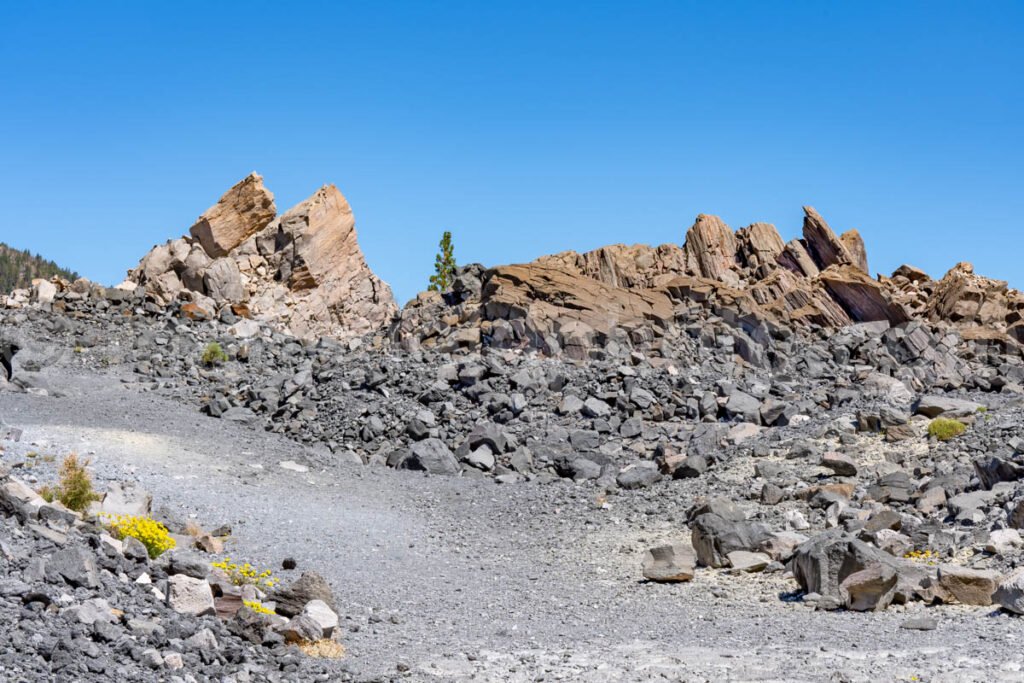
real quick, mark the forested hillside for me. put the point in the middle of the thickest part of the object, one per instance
(18, 268)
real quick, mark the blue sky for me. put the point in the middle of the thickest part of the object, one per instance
(523, 127)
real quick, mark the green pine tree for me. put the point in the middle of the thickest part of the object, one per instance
(444, 266)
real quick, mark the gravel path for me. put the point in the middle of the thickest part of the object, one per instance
(464, 579)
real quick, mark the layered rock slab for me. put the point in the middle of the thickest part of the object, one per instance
(243, 211)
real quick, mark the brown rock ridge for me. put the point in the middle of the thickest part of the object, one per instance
(302, 270)
(573, 302)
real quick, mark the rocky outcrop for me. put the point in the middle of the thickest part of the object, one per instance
(711, 250)
(632, 267)
(969, 300)
(310, 273)
(822, 244)
(243, 211)
(580, 310)
(854, 244)
(861, 297)
(303, 270)
(641, 295)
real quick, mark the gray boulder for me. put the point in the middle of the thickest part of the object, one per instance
(669, 563)
(187, 595)
(714, 537)
(1010, 593)
(292, 599)
(74, 566)
(822, 563)
(431, 456)
(639, 475)
(933, 406)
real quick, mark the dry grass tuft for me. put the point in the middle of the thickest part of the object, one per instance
(325, 648)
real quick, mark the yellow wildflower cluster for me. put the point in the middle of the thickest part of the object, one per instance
(149, 532)
(257, 607)
(246, 574)
(928, 556)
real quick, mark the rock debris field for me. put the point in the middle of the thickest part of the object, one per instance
(735, 460)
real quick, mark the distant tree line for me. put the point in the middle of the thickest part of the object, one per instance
(18, 268)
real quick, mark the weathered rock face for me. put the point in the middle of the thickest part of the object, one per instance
(972, 301)
(642, 295)
(822, 244)
(854, 244)
(303, 270)
(711, 250)
(861, 297)
(632, 267)
(581, 310)
(310, 273)
(759, 245)
(243, 211)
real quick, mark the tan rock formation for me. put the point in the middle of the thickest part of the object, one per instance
(822, 244)
(970, 300)
(759, 244)
(854, 244)
(303, 270)
(711, 250)
(549, 298)
(314, 250)
(861, 297)
(634, 267)
(243, 211)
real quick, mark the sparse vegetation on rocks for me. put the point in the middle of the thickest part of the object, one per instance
(444, 265)
(944, 429)
(214, 354)
(151, 533)
(245, 574)
(74, 488)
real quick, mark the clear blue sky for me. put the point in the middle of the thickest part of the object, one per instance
(524, 127)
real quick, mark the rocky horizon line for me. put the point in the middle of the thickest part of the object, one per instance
(304, 271)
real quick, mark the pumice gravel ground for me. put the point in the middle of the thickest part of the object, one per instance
(465, 579)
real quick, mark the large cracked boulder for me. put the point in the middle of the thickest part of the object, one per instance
(243, 211)
(715, 536)
(861, 297)
(823, 563)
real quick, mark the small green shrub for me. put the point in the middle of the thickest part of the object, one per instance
(213, 354)
(944, 429)
(74, 485)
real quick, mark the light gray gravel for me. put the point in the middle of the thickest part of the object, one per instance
(448, 578)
